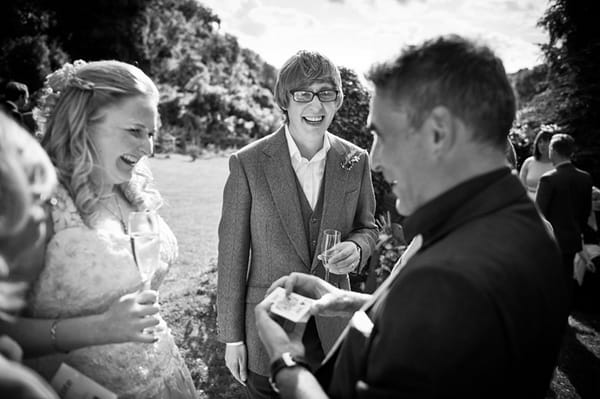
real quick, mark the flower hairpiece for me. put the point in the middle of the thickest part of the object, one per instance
(350, 159)
(54, 85)
(551, 128)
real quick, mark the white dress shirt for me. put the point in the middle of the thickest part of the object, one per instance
(309, 172)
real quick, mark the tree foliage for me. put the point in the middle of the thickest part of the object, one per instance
(213, 90)
(573, 58)
(350, 123)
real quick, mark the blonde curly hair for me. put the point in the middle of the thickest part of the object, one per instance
(73, 100)
(26, 174)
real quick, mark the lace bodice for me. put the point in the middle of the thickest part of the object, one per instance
(86, 270)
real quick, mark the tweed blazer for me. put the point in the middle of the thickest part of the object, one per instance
(262, 236)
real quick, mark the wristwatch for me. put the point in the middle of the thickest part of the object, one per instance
(286, 360)
(359, 253)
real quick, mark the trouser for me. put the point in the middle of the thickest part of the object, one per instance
(258, 387)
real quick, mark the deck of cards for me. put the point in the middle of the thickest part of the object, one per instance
(295, 307)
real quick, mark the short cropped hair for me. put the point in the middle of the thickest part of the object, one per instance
(15, 90)
(303, 69)
(467, 78)
(543, 135)
(563, 144)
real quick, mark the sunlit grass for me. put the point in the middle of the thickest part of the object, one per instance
(193, 193)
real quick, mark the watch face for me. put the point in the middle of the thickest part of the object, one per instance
(287, 359)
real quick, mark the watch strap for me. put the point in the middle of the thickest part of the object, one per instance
(286, 360)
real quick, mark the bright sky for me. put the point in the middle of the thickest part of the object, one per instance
(356, 33)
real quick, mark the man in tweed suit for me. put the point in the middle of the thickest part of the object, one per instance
(282, 192)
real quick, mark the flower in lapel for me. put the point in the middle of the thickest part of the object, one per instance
(350, 159)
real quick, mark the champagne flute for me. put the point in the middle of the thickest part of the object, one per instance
(329, 239)
(145, 243)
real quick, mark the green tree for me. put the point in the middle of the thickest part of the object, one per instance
(350, 123)
(573, 57)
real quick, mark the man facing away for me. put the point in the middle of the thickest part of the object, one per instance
(476, 307)
(282, 192)
(564, 197)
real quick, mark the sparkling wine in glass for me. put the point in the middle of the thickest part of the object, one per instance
(329, 239)
(145, 243)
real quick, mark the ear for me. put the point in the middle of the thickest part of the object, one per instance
(442, 130)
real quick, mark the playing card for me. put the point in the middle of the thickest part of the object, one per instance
(294, 307)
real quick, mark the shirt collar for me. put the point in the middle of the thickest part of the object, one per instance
(451, 205)
(295, 152)
(562, 163)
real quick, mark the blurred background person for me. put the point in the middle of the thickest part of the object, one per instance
(16, 98)
(88, 307)
(27, 178)
(537, 164)
(565, 199)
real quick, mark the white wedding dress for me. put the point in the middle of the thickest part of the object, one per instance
(85, 271)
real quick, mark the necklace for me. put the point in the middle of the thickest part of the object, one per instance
(119, 217)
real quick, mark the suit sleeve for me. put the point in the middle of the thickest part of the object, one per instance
(586, 203)
(544, 195)
(234, 249)
(364, 231)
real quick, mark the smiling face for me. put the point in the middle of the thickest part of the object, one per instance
(122, 137)
(398, 152)
(312, 118)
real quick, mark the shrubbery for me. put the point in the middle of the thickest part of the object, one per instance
(350, 123)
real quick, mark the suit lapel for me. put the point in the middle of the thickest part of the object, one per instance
(334, 190)
(280, 177)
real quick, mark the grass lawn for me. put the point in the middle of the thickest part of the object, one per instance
(193, 192)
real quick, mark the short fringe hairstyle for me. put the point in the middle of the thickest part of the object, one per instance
(467, 78)
(303, 69)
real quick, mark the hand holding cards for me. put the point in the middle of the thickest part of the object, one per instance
(293, 307)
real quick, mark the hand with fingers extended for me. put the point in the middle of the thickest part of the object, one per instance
(236, 361)
(343, 258)
(330, 301)
(129, 317)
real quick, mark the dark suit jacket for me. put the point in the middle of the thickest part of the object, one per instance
(564, 197)
(478, 312)
(262, 236)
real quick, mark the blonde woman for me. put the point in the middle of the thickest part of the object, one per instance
(88, 308)
(537, 164)
(27, 178)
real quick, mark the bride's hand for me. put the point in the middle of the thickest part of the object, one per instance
(129, 315)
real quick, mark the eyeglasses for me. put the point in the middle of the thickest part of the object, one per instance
(306, 96)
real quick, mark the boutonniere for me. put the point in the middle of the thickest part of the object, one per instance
(350, 159)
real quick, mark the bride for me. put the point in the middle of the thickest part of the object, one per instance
(88, 307)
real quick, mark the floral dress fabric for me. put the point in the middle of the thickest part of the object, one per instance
(85, 271)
